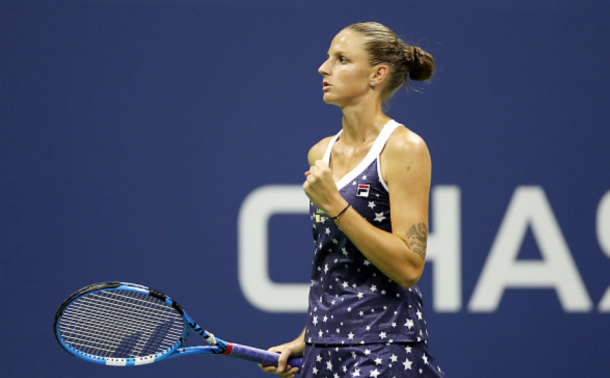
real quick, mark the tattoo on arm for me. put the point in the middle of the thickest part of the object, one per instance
(418, 239)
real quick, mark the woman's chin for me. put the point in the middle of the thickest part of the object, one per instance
(329, 100)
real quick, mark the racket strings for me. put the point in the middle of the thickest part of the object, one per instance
(135, 335)
(97, 326)
(120, 324)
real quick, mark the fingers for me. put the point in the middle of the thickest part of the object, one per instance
(271, 369)
(282, 363)
(268, 369)
(312, 175)
(320, 164)
(319, 171)
(319, 185)
(290, 373)
(313, 171)
(283, 369)
(319, 167)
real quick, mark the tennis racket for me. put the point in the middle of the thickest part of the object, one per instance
(125, 324)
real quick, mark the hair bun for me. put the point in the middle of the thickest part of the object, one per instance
(404, 61)
(420, 64)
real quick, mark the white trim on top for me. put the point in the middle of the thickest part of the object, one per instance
(373, 154)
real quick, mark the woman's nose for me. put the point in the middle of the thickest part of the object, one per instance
(323, 70)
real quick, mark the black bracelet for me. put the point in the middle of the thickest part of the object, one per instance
(341, 213)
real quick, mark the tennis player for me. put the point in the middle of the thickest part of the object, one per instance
(369, 188)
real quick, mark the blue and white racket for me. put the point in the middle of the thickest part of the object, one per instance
(125, 324)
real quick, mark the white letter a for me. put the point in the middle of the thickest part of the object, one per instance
(530, 207)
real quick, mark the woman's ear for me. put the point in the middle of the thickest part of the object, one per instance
(380, 73)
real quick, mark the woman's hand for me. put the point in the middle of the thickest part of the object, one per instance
(283, 369)
(321, 189)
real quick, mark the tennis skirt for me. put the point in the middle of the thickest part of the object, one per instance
(396, 360)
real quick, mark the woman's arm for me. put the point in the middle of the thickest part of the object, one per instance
(406, 168)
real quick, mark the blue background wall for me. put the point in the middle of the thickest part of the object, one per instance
(132, 131)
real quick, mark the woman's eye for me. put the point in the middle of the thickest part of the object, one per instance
(343, 59)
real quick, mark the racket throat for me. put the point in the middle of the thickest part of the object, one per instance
(210, 338)
(207, 336)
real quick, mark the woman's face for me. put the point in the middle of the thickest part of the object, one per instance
(346, 70)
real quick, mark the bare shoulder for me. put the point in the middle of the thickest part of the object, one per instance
(317, 151)
(405, 145)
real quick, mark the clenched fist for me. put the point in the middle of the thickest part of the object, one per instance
(322, 190)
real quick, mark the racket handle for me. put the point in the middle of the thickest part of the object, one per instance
(259, 356)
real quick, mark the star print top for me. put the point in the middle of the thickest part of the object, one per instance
(350, 300)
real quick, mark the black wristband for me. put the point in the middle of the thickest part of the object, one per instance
(341, 213)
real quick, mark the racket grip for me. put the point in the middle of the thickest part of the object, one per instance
(259, 356)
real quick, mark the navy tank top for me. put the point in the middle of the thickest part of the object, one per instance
(350, 300)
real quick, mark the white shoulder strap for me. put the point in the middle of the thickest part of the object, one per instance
(382, 138)
(326, 157)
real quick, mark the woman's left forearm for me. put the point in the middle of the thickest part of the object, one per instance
(390, 253)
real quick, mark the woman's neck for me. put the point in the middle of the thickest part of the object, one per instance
(362, 123)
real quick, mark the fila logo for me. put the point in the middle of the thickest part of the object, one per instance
(363, 190)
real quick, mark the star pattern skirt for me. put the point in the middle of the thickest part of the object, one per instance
(370, 360)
